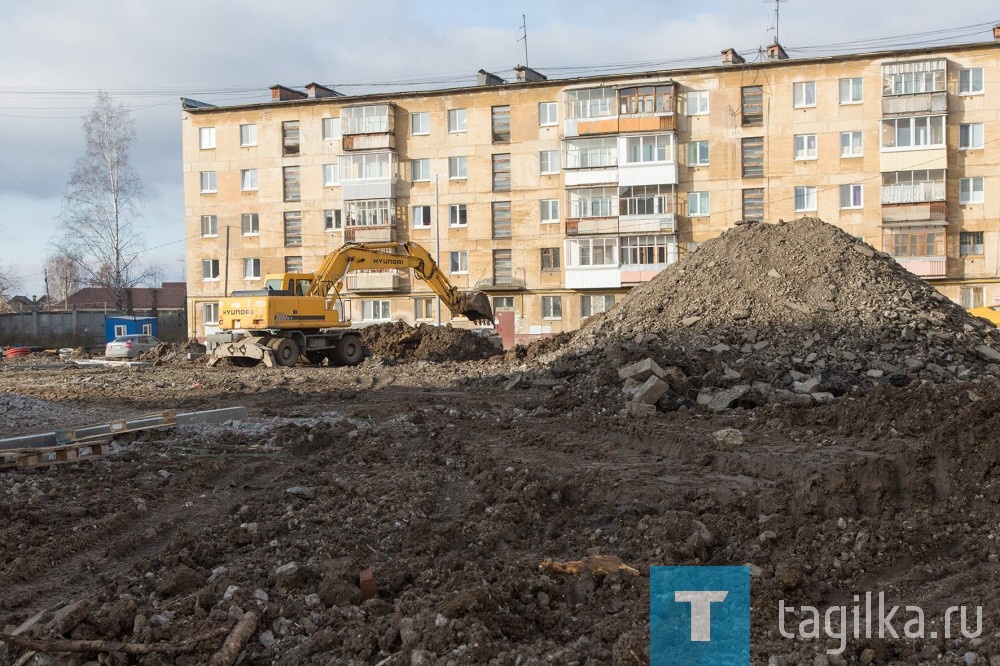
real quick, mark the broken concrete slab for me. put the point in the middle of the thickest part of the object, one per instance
(651, 391)
(641, 370)
(639, 409)
(727, 398)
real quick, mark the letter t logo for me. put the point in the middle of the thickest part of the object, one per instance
(701, 611)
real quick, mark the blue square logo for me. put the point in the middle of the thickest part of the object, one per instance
(699, 616)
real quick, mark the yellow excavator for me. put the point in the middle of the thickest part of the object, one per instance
(300, 315)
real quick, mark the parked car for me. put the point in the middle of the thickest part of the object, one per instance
(130, 346)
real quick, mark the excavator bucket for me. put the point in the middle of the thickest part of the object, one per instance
(475, 306)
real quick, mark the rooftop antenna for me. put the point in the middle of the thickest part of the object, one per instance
(523, 37)
(777, 16)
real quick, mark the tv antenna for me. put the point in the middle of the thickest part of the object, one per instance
(777, 16)
(523, 37)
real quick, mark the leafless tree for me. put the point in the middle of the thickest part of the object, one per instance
(63, 276)
(102, 202)
(9, 282)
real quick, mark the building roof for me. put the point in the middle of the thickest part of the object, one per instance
(170, 296)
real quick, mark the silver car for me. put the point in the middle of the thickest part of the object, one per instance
(130, 346)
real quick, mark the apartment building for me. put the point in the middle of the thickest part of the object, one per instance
(557, 196)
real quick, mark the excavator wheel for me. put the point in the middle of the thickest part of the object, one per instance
(350, 350)
(285, 351)
(241, 362)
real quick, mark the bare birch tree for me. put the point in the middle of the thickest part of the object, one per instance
(9, 282)
(63, 276)
(102, 202)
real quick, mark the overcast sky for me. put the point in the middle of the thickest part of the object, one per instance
(57, 53)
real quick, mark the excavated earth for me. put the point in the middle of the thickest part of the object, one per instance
(864, 461)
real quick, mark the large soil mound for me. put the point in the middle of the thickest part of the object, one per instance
(402, 342)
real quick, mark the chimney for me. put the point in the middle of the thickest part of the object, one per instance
(316, 90)
(525, 73)
(487, 79)
(280, 93)
(996, 31)
(731, 57)
(775, 52)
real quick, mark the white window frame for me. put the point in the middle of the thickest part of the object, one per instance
(459, 259)
(848, 149)
(210, 313)
(333, 219)
(549, 211)
(420, 123)
(251, 268)
(851, 90)
(804, 94)
(331, 174)
(458, 215)
(699, 204)
(376, 309)
(969, 83)
(425, 170)
(331, 129)
(253, 226)
(210, 270)
(548, 162)
(649, 149)
(457, 121)
(607, 301)
(211, 229)
(807, 195)
(458, 167)
(805, 146)
(971, 136)
(910, 123)
(548, 114)
(206, 138)
(698, 153)
(421, 217)
(581, 252)
(551, 308)
(209, 183)
(848, 201)
(248, 134)
(248, 180)
(971, 190)
(697, 103)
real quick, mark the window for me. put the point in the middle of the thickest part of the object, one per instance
(921, 132)
(596, 304)
(459, 262)
(644, 251)
(248, 135)
(971, 297)
(593, 202)
(592, 252)
(649, 148)
(250, 224)
(551, 307)
(850, 196)
(206, 137)
(457, 216)
(697, 103)
(970, 136)
(420, 123)
(851, 144)
(458, 167)
(914, 76)
(647, 200)
(364, 166)
(211, 313)
(548, 113)
(293, 264)
(850, 90)
(548, 161)
(550, 258)
(501, 219)
(423, 309)
(805, 198)
(805, 146)
(503, 269)
(590, 103)
(752, 105)
(209, 225)
(583, 153)
(251, 269)
(248, 180)
(646, 100)
(331, 129)
(915, 241)
(971, 243)
(209, 269)
(970, 190)
(331, 174)
(549, 211)
(290, 137)
(420, 169)
(293, 228)
(804, 94)
(291, 183)
(371, 213)
(752, 157)
(503, 303)
(501, 124)
(970, 81)
(371, 119)
(698, 153)
(501, 172)
(207, 181)
(421, 217)
(456, 120)
(375, 310)
(753, 204)
(332, 219)
(699, 204)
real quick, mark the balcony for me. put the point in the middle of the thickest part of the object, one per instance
(595, 176)
(636, 274)
(369, 127)
(915, 104)
(370, 234)
(927, 267)
(501, 283)
(925, 192)
(582, 226)
(930, 211)
(376, 281)
(593, 277)
(369, 141)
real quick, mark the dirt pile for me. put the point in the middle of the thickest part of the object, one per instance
(773, 312)
(402, 342)
(168, 352)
